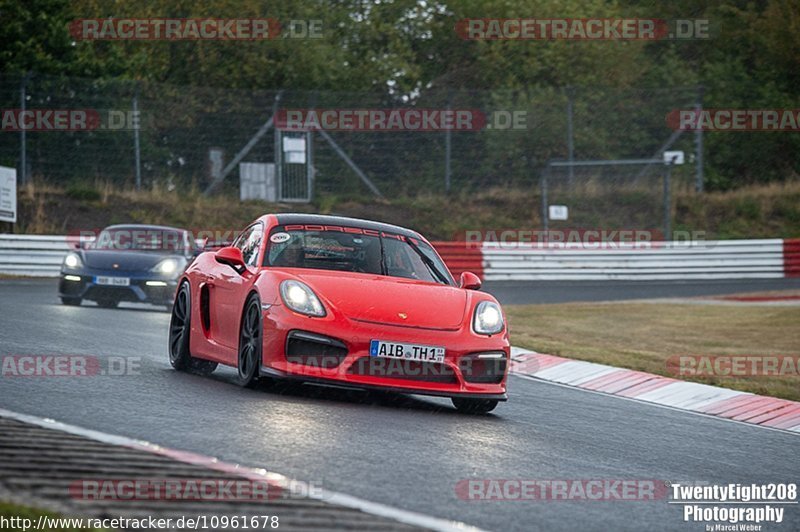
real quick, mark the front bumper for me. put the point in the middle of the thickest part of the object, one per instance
(343, 356)
(160, 291)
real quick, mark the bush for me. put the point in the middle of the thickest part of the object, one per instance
(82, 192)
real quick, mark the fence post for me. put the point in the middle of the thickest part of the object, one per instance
(698, 140)
(23, 148)
(545, 221)
(570, 139)
(137, 152)
(447, 149)
(667, 203)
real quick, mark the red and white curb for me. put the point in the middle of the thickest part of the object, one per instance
(694, 397)
(274, 479)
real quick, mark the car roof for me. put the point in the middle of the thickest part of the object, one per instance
(323, 219)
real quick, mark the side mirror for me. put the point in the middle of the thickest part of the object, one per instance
(231, 256)
(470, 281)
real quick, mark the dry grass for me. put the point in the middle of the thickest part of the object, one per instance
(642, 336)
(766, 211)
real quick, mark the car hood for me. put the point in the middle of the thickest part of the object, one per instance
(389, 300)
(126, 261)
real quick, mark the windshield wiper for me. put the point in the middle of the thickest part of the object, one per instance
(428, 262)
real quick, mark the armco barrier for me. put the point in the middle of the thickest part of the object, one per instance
(461, 257)
(791, 257)
(723, 259)
(41, 256)
(32, 255)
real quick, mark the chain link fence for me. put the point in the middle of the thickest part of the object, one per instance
(186, 135)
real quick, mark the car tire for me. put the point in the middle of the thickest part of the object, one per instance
(474, 406)
(71, 301)
(107, 303)
(180, 326)
(250, 343)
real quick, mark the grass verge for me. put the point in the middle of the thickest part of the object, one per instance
(759, 211)
(642, 336)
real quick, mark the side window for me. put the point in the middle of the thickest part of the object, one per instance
(251, 243)
(241, 240)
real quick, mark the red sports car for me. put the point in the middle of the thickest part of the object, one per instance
(341, 301)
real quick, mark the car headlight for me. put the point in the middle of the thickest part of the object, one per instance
(73, 260)
(300, 298)
(167, 266)
(488, 318)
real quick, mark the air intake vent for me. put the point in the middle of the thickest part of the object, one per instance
(312, 349)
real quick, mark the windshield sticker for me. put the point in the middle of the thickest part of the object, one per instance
(280, 238)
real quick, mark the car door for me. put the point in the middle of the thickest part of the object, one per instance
(231, 287)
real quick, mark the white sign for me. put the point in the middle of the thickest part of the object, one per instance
(296, 157)
(291, 144)
(558, 212)
(8, 194)
(257, 181)
(215, 158)
(673, 157)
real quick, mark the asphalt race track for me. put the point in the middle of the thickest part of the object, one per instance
(519, 293)
(408, 452)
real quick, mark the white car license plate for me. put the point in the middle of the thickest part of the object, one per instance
(423, 353)
(113, 281)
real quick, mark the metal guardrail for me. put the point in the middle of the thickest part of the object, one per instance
(41, 256)
(32, 255)
(723, 259)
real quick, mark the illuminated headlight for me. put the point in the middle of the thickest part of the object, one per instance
(167, 266)
(488, 318)
(72, 260)
(301, 298)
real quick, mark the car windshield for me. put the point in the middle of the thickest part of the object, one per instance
(149, 239)
(356, 250)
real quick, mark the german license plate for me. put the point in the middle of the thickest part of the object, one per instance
(113, 281)
(403, 351)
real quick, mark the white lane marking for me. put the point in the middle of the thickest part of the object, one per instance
(707, 396)
(590, 374)
(575, 371)
(676, 393)
(332, 497)
(516, 351)
(656, 405)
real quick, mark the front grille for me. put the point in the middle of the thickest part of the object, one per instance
(116, 293)
(410, 370)
(312, 349)
(483, 370)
